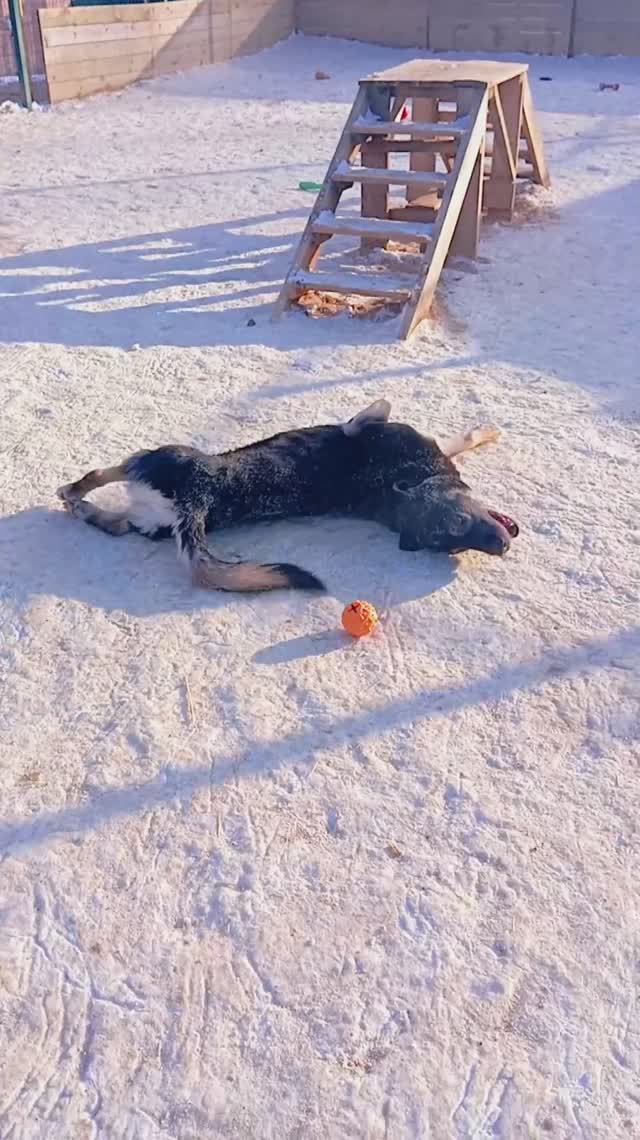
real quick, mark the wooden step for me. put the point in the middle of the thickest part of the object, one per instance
(360, 284)
(372, 176)
(327, 223)
(408, 127)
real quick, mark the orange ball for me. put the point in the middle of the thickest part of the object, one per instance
(359, 618)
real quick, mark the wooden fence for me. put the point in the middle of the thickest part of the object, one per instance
(104, 48)
(33, 42)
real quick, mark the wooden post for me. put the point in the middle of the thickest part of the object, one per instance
(533, 137)
(463, 171)
(17, 30)
(374, 199)
(500, 191)
(464, 242)
(424, 111)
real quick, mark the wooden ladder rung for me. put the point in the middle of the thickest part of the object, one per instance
(360, 284)
(327, 223)
(414, 130)
(370, 174)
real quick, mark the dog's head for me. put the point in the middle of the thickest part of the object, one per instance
(436, 514)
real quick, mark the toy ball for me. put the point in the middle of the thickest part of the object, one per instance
(359, 618)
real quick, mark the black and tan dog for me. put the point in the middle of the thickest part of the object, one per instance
(368, 468)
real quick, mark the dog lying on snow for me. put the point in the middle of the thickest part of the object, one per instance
(368, 468)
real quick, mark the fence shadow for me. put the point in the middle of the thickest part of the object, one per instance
(176, 785)
(187, 287)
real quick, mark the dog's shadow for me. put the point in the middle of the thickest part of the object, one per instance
(45, 552)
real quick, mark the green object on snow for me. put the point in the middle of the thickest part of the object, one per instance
(313, 186)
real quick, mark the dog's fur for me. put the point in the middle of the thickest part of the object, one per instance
(368, 468)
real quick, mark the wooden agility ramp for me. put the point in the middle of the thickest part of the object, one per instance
(469, 131)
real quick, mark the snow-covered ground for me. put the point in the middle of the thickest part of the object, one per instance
(257, 882)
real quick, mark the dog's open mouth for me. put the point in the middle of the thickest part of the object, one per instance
(509, 525)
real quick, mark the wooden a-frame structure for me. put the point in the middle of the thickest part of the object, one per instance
(470, 132)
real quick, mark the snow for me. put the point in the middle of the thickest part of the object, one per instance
(259, 882)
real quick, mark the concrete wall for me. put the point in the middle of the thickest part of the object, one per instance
(398, 23)
(601, 27)
(607, 27)
(537, 26)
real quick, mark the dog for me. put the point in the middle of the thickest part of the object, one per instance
(368, 468)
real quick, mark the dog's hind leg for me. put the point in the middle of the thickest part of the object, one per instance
(72, 495)
(469, 440)
(72, 492)
(211, 573)
(113, 522)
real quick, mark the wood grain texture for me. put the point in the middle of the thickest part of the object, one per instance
(87, 50)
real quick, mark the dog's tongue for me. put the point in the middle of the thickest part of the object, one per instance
(509, 525)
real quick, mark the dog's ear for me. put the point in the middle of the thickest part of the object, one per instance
(410, 482)
(376, 413)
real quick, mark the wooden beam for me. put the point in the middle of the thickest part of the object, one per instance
(390, 177)
(448, 214)
(425, 215)
(329, 225)
(328, 198)
(419, 146)
(533, 137)
(374, 197)
(360, 284)
(464, 242)
(500, 190)
(424, 110)
(411, 128)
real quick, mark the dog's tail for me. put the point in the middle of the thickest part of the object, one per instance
(211, 573)
(249, 577)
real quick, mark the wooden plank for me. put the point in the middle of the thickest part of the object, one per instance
(96, 84)
(391, 177)
(447, 218)
(418, 146)
(71, 17)
(446, 92)
(328, 198)
(500, 190)
(328, 224)
(84, 69)
(358, 284)
(454, 71)
(424, 215)
(374, 197)
(410, 129)
(185, 57)
(533, 138)
(115, 49)
(464, 242)
(512, 97)
(130, 30)
(104, 48)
